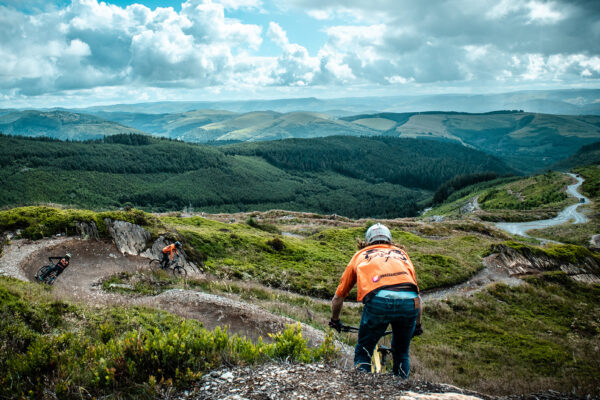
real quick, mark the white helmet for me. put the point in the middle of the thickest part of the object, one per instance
(378, 233)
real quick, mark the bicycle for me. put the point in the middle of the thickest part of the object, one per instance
(380, 353)
(48, 278)
(177, 269)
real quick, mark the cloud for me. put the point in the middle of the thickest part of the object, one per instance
(462, 41)
(91, 43)
(56, 49)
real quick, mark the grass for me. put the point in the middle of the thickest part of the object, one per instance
(313, 265)
(512, 199)
(579, 233)
(507, 340)
(306, 309)
(52, 348)
(546, 190)
(36, 222)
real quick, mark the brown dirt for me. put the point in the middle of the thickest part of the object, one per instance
(94, 260)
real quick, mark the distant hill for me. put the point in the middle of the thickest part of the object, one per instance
(586, 155)
(525, 141)
(60, 125)
(203, 126)
(358, 177)
(571, 102)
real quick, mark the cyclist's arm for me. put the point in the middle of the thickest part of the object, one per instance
(336, 307)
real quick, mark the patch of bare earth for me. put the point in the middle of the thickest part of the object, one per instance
(94, 260)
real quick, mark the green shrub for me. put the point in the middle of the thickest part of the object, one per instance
(54, 347)
(36, 222)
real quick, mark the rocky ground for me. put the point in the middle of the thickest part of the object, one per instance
(298, 381)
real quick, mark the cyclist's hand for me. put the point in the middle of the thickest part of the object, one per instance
(418, 330)
(336, 324)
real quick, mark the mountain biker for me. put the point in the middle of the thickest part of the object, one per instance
(387, 285)
(167, 252)
(59, 267)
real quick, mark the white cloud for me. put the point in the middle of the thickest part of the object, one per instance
(237, 4)
(544, 12)
(89, 45)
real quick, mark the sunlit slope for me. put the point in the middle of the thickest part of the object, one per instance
(525, 141)
(60, 125)
(168, 125)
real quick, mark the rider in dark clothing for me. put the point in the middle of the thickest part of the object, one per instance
(59, 267)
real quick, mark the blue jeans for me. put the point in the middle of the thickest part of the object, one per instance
(378, 313)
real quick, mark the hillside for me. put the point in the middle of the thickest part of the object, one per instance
(525, 141)
(356, 177)
(586, 155)
(203, 126)
(60, 125)
(111, 326)
(509, 199)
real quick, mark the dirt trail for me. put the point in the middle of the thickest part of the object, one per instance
(488, 275)
(93, 260)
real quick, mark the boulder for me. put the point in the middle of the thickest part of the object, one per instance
(129, 238)
(595, 242)
(87, 230)
(525, 262)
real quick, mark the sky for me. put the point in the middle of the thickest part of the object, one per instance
(87, 52)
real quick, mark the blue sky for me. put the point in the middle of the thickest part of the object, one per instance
(85, 52)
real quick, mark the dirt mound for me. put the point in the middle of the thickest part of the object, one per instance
(94, 260)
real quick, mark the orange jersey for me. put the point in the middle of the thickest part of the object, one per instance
(374, 267)
(170, 249)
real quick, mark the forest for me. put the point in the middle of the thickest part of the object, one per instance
(350, 176)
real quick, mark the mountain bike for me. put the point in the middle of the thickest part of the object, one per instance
(49, 278)
(380, 353)
(177, 270)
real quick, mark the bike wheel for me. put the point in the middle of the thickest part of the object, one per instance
(41, 272)
(49, 280)
(179, 271)
(155, 264)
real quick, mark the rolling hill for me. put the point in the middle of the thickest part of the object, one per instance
(60, 125)
(361, 177)
(586, 155)
(527, 142)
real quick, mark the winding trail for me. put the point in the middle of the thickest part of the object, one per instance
(94, 260)
(570, 213)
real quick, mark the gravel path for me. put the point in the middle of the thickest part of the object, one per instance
(569, 214)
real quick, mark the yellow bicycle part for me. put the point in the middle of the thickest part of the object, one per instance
(376, 366)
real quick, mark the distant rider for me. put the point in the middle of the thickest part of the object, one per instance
(59, 267)
(387, 285)
(171, 252)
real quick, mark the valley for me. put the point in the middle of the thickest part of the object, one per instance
(269, 207)
(478, 282)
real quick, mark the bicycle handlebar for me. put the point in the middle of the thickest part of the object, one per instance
(348, 328)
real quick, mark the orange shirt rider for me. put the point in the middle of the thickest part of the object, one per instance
(170, 249)
(374, 267)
